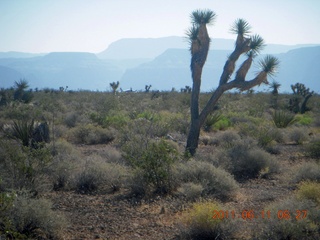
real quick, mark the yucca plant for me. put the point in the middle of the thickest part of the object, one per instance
(211, 120)
(282, 119)
(23, 131)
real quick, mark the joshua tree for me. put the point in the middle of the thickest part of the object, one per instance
(199, 47)
(20, 93)
(187, 89)
(275, 91)
(114, 87)
(147, 88)
(301, 96)
(275, 87)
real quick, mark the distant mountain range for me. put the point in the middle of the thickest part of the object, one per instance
(161, 62)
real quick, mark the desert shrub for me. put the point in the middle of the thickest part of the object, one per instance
(284, 223)
(304, 119)
(98, 175)
(23, 167)
(137, 183)
(113, 175)
(246, 161)
(215, 181)
(225, 139)
(33, 219)
(111, 154)
(89, 134)
(309, 190)
(265, 135)
(222, 124)
(298, 135)
(155, 163)
(198, 223)
(71, 119)
(308, 171)
(63, 167)
(313, 149)
(6, 228)
(174, 122)
(87, 181)
(117, 121)
(191, 191)
(283, 119)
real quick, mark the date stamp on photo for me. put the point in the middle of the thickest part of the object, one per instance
(251, 214)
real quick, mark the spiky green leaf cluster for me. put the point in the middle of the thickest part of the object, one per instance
(256, 44)
(205, 16)
(192, 33)
(269, 64)
(240, 27)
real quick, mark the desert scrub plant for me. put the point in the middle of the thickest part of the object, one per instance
(156, 162)
(222, 124)
(191, 191)
(246, 161)
(298, 135)
(97, 175)
(87, 181)
(90, 134)
(309, 190)
(313, 149)
(198, 223)
(215, 181)
(304, 119)
(227, 138)
(23, 167)
(285, 225)
(308, 171)
(35, 219)
(283, 119)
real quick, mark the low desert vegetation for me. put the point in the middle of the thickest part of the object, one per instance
(220, 150)
(134, 145)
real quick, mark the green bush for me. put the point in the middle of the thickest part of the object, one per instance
(248, 161)
(284, 223)
(22, 167)
(225, 139)
(313, 149)
(215, 181)
(87, 181)
(155, 163)
(222, 124)
(304, 119)
(98, 175)
(308, 171)
(282, 119)
(298, 135)
(89, 134)
(309, 190)
(191, 191)
(32, 219)
(198, 223)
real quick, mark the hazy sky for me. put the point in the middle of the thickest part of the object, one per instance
(40, 26)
